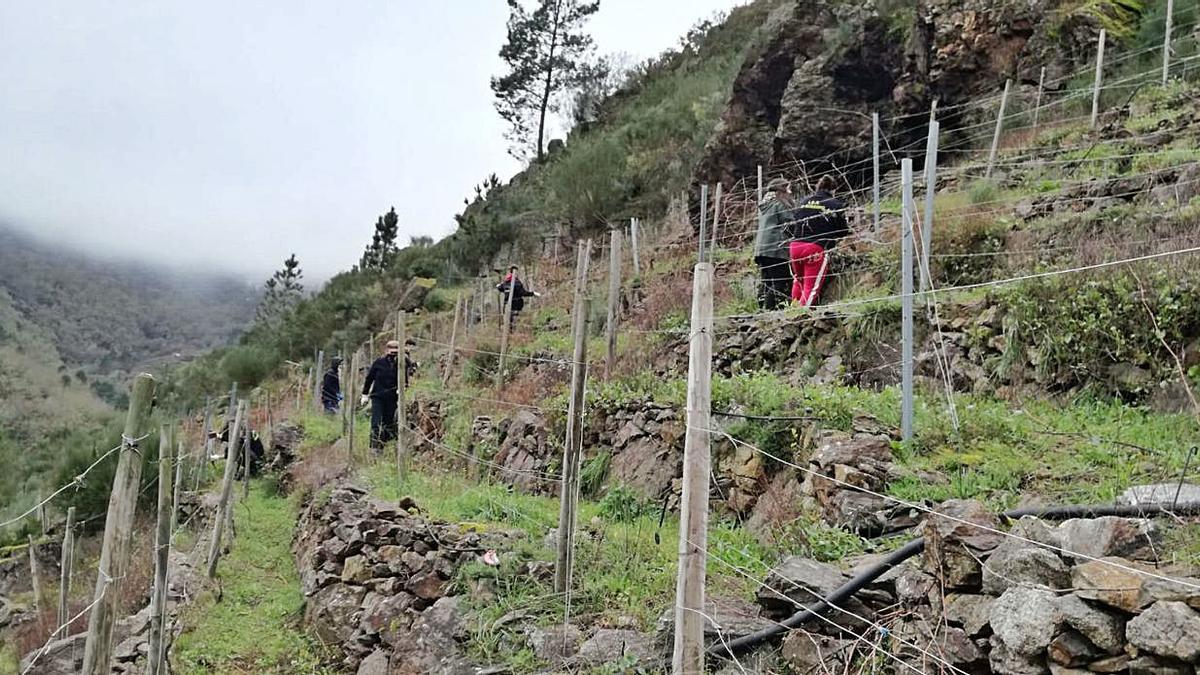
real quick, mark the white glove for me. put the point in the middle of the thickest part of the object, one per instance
(536, 294)
(364, 400)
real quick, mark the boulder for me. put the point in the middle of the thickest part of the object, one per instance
(555, 644)
(627, 647)
(1025, 620)
(375, 664)
(1153, 665)
(808, 652)
(1005, 661)
(1134, 539)
(356, 570)
(971, 612)
(331, 612)
(1167, 628)
(1160, 494)
(1015, 563)
(647, 465)
(724, 619)
(957, 533)
(1103, 629)
(1071, 649)
(1129, 587)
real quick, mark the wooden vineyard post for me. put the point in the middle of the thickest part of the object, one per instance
(906, 295)
(614, 301)
(118, 532)
(247, 441)
(716, 225)
(66, 566)
(206, 443)
(634, 225)
(505, 328)
(1098, 86)
(214, 550)
(162, 552)
(999, 128)
(401, 412)
(688, 654)
(179, 455)
(874, 169)
(569, 488)
(353, 378)
(35, 577)
(317, 405)
(458, 303)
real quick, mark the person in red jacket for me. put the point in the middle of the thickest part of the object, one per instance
(817, 224)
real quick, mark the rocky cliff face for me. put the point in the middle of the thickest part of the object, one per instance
(807, 90)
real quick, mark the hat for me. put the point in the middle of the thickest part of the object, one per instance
(393, 345)
(778, 183)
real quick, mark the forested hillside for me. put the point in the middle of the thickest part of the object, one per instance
(72, 330)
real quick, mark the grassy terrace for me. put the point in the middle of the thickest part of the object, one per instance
(255, 626)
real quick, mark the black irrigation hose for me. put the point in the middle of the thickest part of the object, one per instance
(915, 547)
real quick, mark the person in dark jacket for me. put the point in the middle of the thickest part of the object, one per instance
(817, 224)
(512, 283)
(771, 252)
(257, 451)
(380, 385)
(331, 387)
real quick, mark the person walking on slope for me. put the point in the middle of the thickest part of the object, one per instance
(817, 224)
(380, 386)
(512, 284)
(771, 252)
(331, 386)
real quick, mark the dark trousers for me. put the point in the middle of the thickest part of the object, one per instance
(774, 291)
(383, 420)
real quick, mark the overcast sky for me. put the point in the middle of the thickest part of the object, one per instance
(233, 132)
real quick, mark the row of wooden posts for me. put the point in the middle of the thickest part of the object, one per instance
(116, 547)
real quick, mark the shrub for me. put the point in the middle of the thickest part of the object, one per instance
(248, 365)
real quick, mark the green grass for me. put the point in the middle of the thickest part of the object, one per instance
(621, 571)
(255, 627)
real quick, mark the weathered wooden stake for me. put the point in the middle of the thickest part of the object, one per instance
(688, 656)
(162, 552)
(1099, 83)
(906, 293)
(875, 168)
(634, 226)
(35, 577)
(1037, 106)
(451, 354)
(758, 190)
(999, 128)
(317, 404)
(247, 440)
(1166, 70)
(66, 567)
(569, 488)
(214, 550)
(118, 532)
(505, 328)
(614, 302)
(703, 219)
(401, 390)
(931, 160)
(354, 365)
(179, 455)
(206, 443)
(716, 225)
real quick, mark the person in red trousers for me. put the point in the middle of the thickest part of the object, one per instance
(818, 224)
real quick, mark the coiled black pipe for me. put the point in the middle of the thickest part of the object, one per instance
(916, 546)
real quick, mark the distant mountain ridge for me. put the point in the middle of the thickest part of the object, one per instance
(107, 319)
